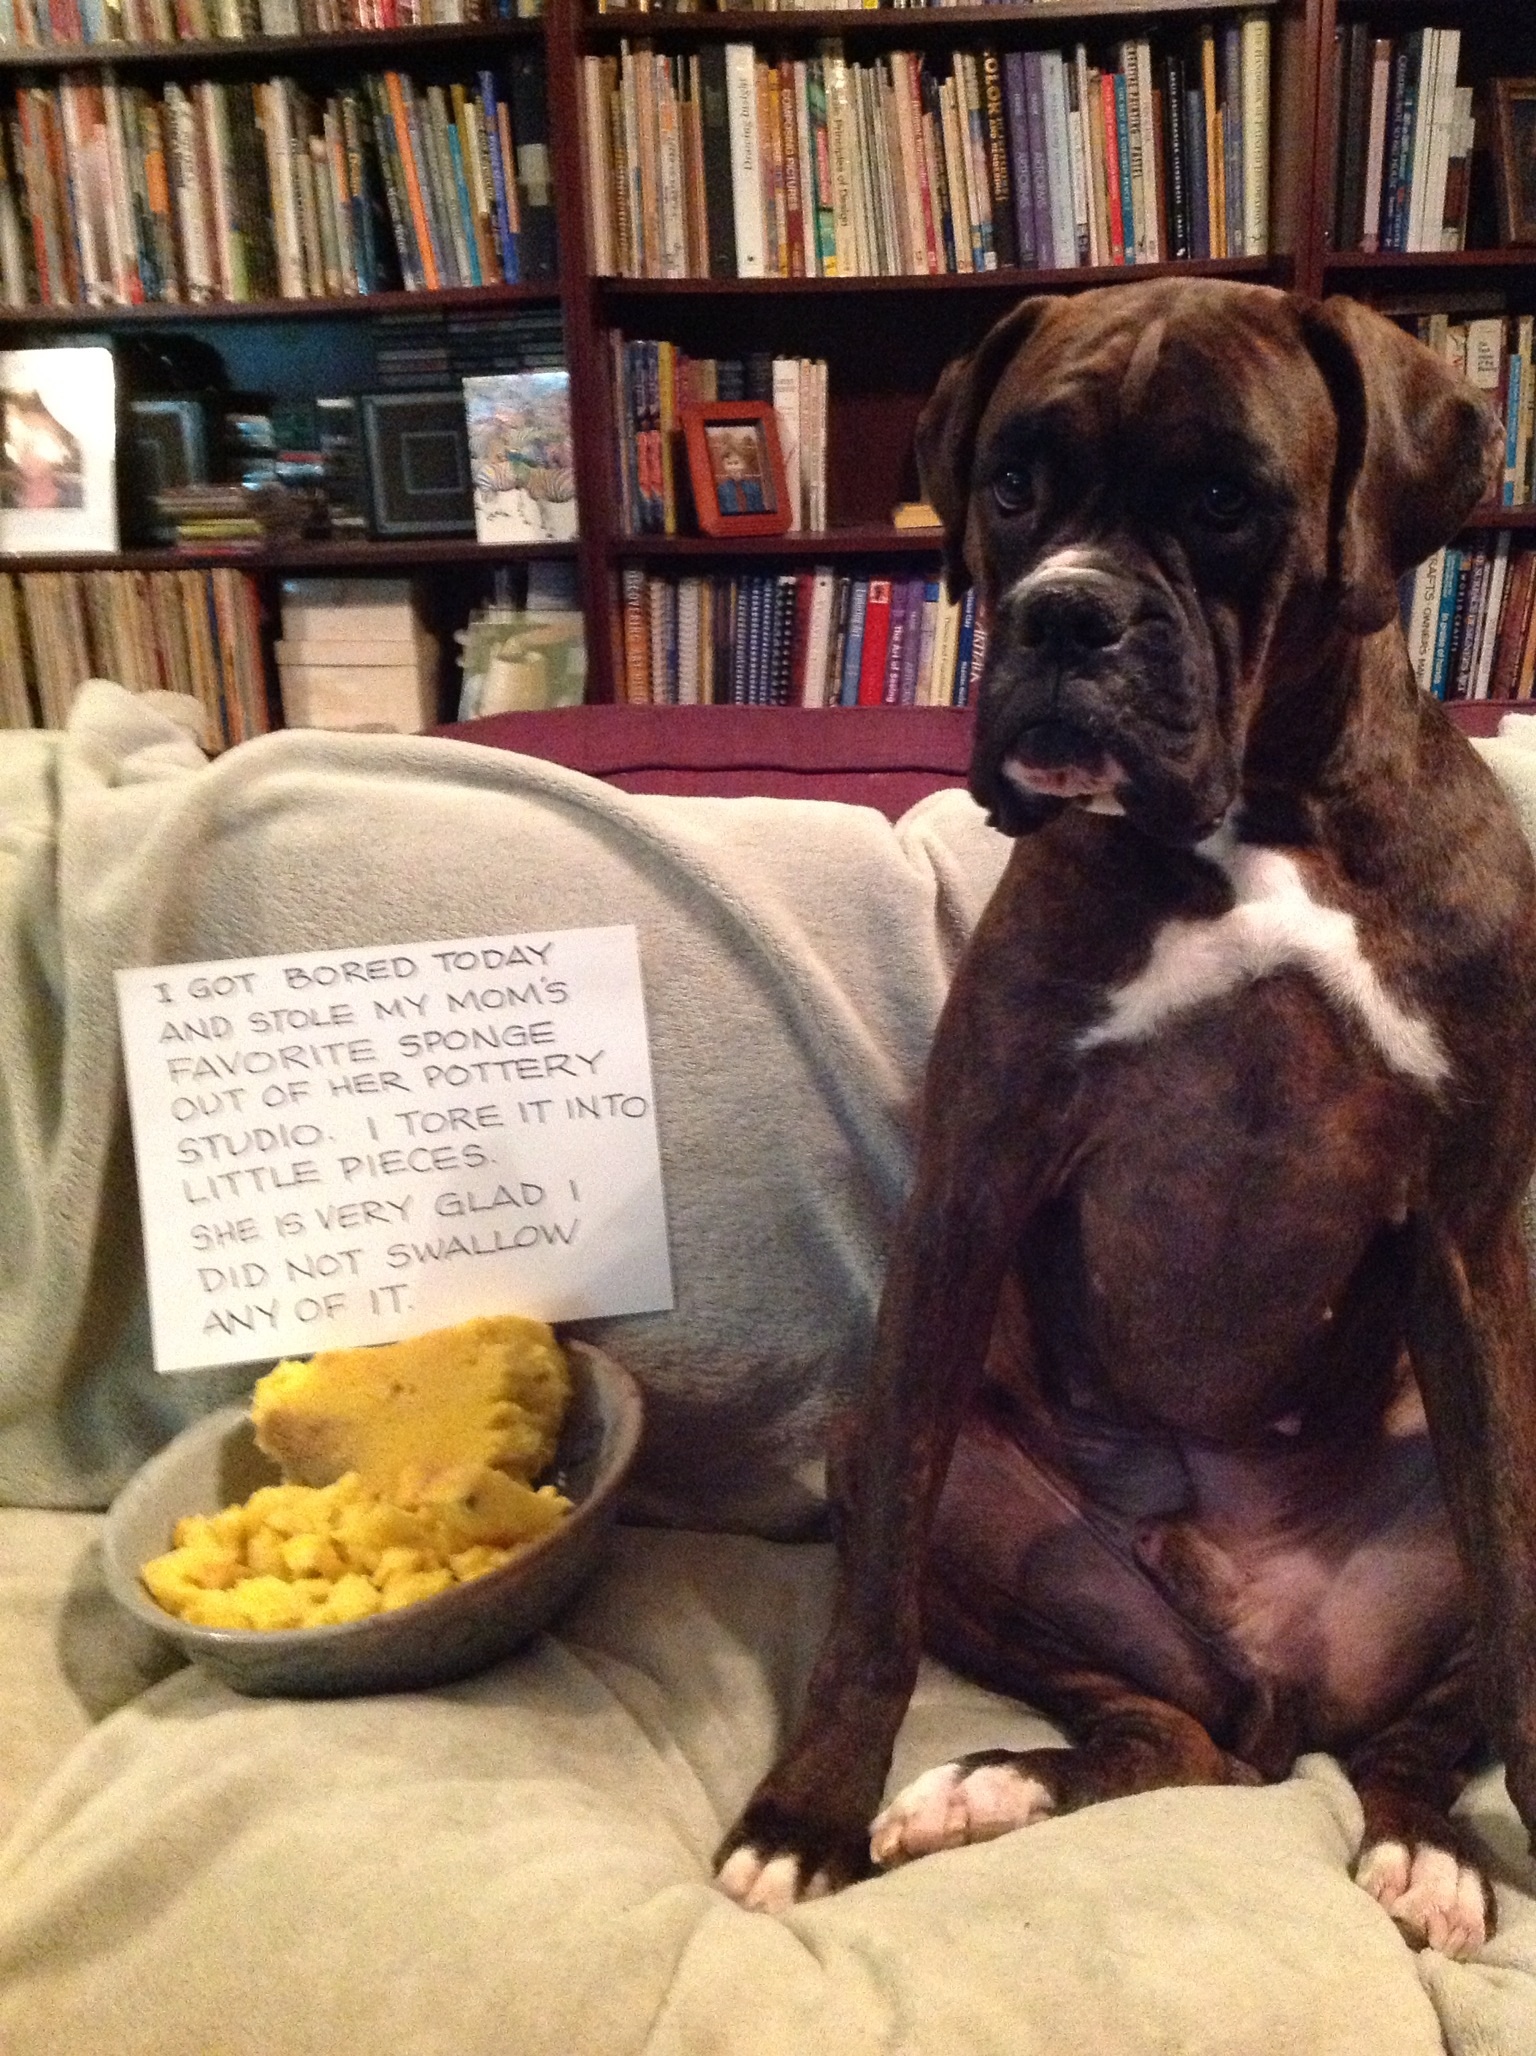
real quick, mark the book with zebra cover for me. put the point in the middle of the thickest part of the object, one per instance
(520, 456)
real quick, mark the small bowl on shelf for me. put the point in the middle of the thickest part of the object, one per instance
(215, 1463)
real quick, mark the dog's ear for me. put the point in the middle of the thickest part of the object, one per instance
(946, 429)
(1416, 451)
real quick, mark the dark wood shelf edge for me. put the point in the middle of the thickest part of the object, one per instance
(836, 542)
(1366, 262)
(221, 51)
(1271, 270)
(317, 556)
(889, 23)
(354, 306)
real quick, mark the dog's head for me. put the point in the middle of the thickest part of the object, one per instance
(1168, 495)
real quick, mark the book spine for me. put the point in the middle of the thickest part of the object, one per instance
(1256, 44)
(746, 161)
(504, 217)
(1128, 95)
(1039, 163)
(1151, 155)
(1199, 181)
(1445, 615)
(1420, 141)
(1231, 92)
(999, 164)
(1053, 93)
(1020, 158)
(1215, 160)
(1121, 240)
(1498, 585)
(403, 155)
(1130, 230)
(1373, 197)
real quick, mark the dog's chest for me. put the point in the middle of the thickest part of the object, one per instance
(1275, 924)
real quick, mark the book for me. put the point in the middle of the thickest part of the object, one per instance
(877, 637)
(521, 459)
(746, 161)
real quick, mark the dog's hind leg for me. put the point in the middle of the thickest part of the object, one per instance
(1427, 1871)
(1124, 1743)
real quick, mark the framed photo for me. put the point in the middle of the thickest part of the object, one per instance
(736, 468)
(166, 445)
(1514, 157)
(58, 451)
(520, 456)
(418, 463)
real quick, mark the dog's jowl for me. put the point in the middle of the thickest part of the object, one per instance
(1202, 1411)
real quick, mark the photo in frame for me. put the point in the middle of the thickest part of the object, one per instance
(736, 468)
(1513, 147)
(58, 451)
(418, 463)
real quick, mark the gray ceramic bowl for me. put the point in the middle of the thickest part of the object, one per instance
(216, 1462)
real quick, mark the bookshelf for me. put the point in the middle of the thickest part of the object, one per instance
(1481, 282)
(884, 338)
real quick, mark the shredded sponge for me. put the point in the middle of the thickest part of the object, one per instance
(491, 1391)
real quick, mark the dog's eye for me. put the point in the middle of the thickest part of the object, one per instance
(1012, 490)
(1221, 503)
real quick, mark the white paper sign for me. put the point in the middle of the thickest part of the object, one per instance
(348, 1146)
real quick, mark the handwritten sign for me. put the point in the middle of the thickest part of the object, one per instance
(348, 1146)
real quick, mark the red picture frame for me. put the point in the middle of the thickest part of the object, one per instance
(736, 468)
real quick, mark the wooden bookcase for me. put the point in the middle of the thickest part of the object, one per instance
(885, 339)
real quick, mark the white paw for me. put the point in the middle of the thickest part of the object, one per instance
(1436, 1900)
(768, 1884)
(947, 1807)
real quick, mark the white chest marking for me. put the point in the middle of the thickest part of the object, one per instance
(1274, 925)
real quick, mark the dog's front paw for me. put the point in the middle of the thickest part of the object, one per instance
(772, 1860)
(974, 1799)
(1438, 1899)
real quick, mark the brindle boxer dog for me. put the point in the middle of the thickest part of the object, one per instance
(1202, 1412)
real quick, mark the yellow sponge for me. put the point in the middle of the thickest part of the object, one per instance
(490, 1391)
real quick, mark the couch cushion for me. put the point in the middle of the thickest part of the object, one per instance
(521, 1863)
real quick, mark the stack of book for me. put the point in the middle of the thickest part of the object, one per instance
(238, 517)
(46, 22)
(192, 632)
(1404, 137)
(1494, 352)
(653, 381)
(1469, 617)
(111, 195)
(810, 638)
(725, 163)
(354, 654)
(438, 347)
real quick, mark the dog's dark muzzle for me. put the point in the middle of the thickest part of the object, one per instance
(1093, 697)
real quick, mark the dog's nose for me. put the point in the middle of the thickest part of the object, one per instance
(1068, 616)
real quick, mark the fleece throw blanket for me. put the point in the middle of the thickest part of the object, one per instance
(521, 1862)
(794, 956)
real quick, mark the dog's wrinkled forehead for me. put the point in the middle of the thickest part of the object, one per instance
(1195, 377)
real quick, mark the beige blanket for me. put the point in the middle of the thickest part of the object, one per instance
(794, 957)
(518, 1866)
(520, 1863)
